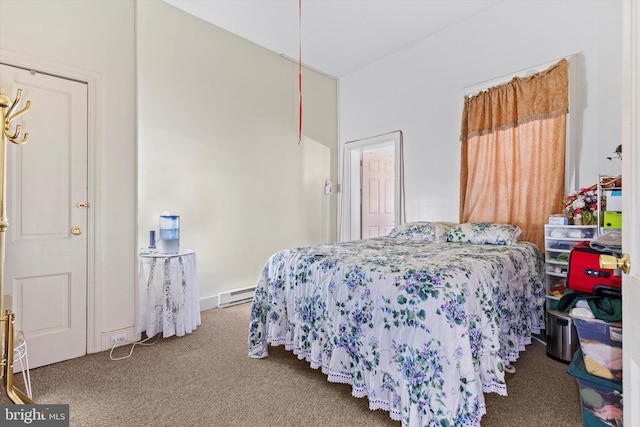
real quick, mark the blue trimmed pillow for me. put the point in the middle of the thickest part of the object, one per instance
(421, 230)
(484, 233)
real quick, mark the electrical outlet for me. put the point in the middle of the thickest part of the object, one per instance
(118, 339)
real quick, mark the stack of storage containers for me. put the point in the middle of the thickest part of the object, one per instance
(597, 366)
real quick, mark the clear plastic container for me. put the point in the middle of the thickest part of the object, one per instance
(601, 399)
(601, 344)
(169, 239)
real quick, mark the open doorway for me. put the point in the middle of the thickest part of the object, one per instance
(388, 146)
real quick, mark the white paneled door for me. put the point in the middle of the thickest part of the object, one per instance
(378, 183)
(46, 242)
(631, 210)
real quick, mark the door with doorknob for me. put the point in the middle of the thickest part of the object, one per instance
(631, 208)
(46, 241)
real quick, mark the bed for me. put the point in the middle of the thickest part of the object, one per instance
(422, 322)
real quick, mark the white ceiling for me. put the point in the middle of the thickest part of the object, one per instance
(337, 36)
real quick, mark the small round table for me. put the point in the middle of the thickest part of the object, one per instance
(168, 296)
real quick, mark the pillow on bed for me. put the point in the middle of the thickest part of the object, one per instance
(421, 230)
(491, 233)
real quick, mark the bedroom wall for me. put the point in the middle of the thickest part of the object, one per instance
(216, 119)
(218, 145)
(79, 35)
(420, 90)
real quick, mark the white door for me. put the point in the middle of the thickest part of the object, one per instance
(378, 183)
(631, 211)
(45, 262)
(351, 192)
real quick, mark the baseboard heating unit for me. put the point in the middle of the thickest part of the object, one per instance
(236, 296)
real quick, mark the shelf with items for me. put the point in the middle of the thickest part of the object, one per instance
(558, 242)
(609, 203)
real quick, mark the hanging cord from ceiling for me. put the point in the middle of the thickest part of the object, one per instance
(299, 71)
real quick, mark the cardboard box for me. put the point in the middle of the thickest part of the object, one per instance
(558, 220)
(613, 200)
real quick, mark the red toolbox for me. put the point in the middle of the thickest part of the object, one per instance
(585, 274)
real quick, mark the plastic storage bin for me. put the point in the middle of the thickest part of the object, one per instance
(601, 344)
(601, 399)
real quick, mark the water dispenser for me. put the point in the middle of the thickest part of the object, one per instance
(169, 241)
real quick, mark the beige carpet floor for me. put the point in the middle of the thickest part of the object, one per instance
(207, 379)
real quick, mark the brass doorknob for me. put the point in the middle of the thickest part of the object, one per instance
(76, 230)
(610, 262)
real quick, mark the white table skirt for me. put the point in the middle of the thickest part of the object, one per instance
(168, 296)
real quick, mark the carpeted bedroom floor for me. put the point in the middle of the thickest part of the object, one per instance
(207, 379)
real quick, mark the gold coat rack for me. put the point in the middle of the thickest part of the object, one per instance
(8, 115)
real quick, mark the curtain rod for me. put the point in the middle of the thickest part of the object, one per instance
(480, 86)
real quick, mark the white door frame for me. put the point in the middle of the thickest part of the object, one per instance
(94, 311)
(350, 201)
(631, 209)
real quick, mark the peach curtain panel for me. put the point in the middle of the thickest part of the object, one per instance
(513, 152)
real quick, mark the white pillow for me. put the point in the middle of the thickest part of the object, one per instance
(421, 230)
(481, 233)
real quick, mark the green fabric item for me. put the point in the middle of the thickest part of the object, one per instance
(604, 308)
(591, 397)
(561, 258)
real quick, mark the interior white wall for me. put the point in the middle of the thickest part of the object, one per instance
(420, 90)
(217, 120)
(95, 38)
(218, 145)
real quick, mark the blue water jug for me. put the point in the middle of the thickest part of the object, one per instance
(169, 241)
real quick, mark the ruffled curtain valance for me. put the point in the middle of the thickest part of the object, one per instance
(521, 100)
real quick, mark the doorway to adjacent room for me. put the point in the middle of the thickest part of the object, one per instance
(372, 189)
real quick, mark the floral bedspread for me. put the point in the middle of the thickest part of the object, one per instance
(422, 329)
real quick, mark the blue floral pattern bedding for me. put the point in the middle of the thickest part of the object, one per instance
(422, 329)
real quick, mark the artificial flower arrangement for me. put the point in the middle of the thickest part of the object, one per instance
(582, 205)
